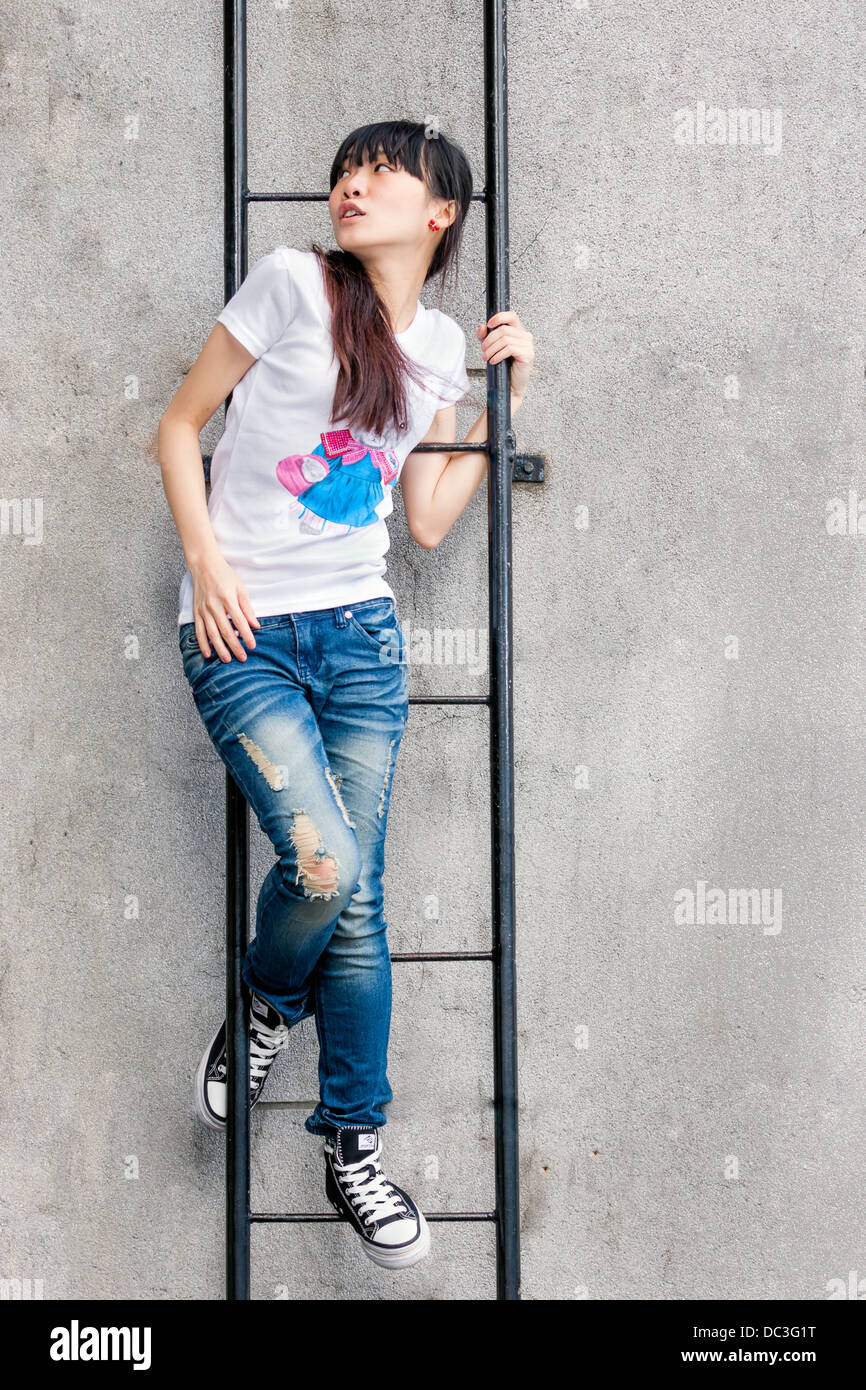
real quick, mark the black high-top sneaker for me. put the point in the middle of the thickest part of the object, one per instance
(268, 1035)
(392, 1229)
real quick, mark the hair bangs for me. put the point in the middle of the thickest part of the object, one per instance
(401, 142)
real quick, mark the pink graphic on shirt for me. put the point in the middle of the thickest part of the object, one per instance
(337, 487)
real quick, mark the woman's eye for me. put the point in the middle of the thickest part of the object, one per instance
(380, 165)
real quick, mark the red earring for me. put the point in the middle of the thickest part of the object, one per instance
(433, 225)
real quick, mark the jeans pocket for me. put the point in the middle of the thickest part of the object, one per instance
(196, 666)
(379, 627)
(186, 638)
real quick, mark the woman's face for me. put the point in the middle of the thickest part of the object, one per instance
(394, 207)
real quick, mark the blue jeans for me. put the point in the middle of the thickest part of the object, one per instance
(309, 726)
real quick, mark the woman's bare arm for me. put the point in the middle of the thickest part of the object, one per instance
(437, 487)
(218, 594)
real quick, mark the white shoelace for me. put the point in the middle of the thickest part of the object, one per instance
(371, 1194)
(265, 1043)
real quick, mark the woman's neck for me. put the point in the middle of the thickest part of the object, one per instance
(398, 284)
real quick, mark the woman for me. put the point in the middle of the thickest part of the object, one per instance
(287, 628)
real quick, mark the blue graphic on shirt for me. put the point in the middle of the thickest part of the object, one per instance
(337, 487)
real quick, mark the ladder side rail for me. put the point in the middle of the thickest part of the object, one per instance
(502, 449)
(237, 1173)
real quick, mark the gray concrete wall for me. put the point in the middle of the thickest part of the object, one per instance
(689, 657)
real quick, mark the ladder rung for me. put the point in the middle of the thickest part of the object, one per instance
(248, 196)
(449, 699)
(333, 1216)
(456, 447)
(527, 468)
(444, 955)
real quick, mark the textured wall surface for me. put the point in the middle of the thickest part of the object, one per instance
(687, 248)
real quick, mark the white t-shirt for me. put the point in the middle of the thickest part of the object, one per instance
(298, 502)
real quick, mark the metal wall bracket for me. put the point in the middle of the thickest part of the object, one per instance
(529, 468)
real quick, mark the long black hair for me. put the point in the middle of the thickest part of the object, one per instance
(371, 382)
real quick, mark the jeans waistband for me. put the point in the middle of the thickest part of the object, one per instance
(338, 614)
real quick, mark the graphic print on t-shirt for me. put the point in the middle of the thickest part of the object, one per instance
(337, 487)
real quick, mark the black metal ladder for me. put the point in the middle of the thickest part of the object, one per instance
(505, 468)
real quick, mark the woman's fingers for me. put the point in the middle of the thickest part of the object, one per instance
(504, 337)
(504, 316)
(228, 630)
(501, 343)
(250, 620)
(229, 634)
(222, 611)
(215, 633)
(242, 614)
(493, 342)
(201, 636)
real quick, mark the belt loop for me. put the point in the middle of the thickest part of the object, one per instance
(340, 615)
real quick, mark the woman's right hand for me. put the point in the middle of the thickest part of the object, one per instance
(219, 599)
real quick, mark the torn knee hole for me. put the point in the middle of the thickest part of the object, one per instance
(381, 807)
(319, 869)
(274, 775)
(335, 788)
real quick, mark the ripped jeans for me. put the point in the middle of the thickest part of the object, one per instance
(309, 726)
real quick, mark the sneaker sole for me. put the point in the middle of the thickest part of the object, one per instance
(380, 1254)
(401, 1259)
(201, 1106)
(200, 1103)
